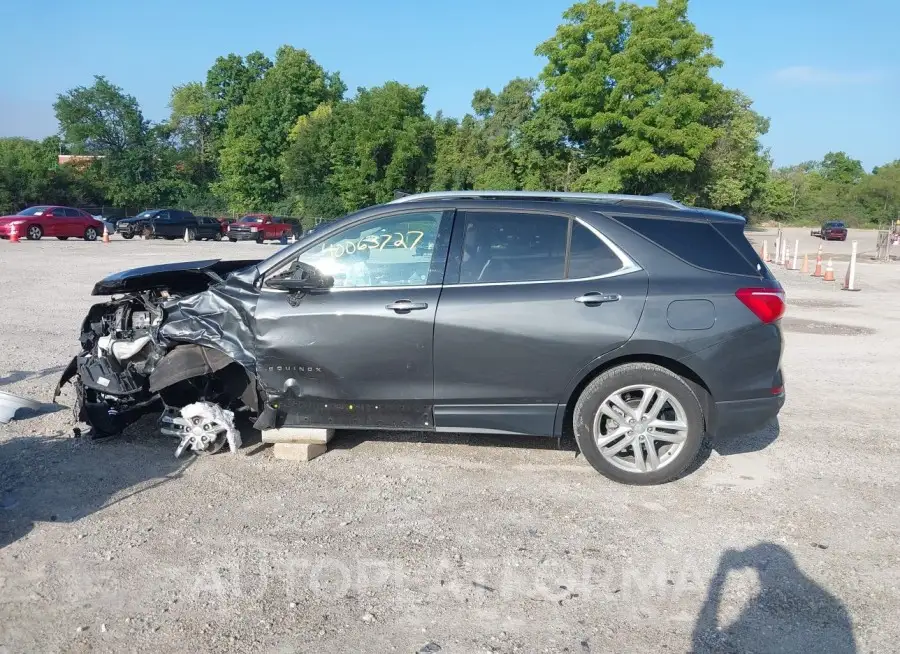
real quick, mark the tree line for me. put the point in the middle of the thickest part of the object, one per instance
(625, 103)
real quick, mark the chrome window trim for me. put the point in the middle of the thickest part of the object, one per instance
(628, 267)
(344, 289)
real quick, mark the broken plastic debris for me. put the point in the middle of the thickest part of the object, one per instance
(202, 427)
(11, 404)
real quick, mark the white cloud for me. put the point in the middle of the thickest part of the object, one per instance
(812, 76)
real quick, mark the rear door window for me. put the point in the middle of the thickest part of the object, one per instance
(720, 247)
(503, 246)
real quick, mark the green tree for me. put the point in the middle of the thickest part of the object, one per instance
(632, 85)
(460, 150)
(193, 117)
(29, 175)
(101, 119)
(229, 80)
(258, 130)
(879, 194)
(377, 143)
(732, 174)
(839, 168)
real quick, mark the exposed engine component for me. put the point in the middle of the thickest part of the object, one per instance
(201, 427)
(154, 346)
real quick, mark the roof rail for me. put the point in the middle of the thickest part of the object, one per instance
(611, 198)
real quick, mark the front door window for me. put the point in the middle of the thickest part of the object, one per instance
(397, 250)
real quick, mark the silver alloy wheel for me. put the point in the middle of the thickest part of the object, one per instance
(90, 234)
(35, 233)
(640, 428)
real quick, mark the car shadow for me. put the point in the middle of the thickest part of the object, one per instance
(727, 443)
(790, 613)
(58, 479)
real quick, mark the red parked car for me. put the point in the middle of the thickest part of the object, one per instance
(259, 227)
(62, 222)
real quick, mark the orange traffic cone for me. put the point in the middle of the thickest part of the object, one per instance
(818, 271)
(829, 272)
(105, 233)
(13, 234)
(805, 268)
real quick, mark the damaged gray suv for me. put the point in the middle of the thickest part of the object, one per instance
(633, 323)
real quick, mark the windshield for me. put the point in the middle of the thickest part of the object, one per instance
(146, 214)
(251, 219)
(32, 211)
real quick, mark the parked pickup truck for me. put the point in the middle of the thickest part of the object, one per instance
(258, 227)
(170, 224)
(832, 231)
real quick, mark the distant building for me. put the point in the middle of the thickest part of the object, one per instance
(78, 160)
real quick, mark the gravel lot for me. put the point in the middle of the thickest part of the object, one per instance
(783, 540)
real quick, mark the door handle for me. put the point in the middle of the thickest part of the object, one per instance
(405, 306)
(594, 299)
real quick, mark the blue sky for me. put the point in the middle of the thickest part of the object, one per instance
(827, 72)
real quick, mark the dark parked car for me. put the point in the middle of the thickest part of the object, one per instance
(34, 223)
(634, 323)
(170, 224)
(834, 231)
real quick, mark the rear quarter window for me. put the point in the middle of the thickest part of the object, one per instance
(719, 247)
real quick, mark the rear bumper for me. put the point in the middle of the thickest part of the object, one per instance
(745, 416)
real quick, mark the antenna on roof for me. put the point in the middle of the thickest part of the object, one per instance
(400, 194)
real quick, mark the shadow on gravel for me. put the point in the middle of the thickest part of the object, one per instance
(20, 375)
(728, 444)
(791, 613)
(54, 479)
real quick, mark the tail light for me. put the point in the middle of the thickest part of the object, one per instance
(767, 304)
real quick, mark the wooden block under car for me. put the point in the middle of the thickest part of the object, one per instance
(297, 435)
(299, 451)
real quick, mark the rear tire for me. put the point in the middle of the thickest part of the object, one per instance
(90, 234)
(128, 236)
(674, 449)
(260, 239)
(217, 237)
(233, 240)
(34, 233)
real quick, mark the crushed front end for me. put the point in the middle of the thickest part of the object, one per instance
(174, 339)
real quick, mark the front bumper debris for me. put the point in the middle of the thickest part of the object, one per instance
(11, 405)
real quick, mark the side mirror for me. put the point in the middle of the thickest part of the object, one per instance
(302, 278)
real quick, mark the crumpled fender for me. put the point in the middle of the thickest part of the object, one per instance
(184, 362)
(219, 318)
